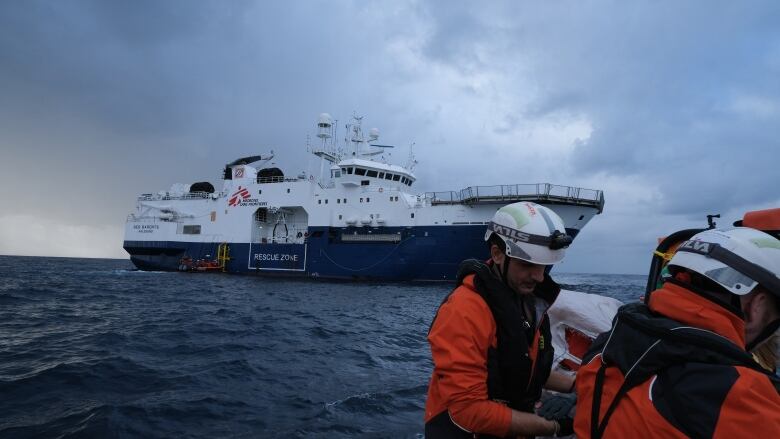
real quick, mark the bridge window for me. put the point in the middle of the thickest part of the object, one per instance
(326, 201)
(360, 171)
(370, 173)
(345, 201)
(191, 230)
(368, 200)
(349, 170)
(388, 176)
(396, 177)
(381, 175)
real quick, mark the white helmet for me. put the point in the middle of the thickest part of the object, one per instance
(531, 232)
(737, 259)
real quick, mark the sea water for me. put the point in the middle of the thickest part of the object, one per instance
(94, 348)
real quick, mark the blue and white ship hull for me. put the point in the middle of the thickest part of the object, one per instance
(361, 222)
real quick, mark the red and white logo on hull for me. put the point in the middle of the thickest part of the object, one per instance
(238, 196)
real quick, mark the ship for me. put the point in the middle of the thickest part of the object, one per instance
(357, 218)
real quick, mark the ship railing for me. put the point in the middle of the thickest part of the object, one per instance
(519, 192)
(179, 196)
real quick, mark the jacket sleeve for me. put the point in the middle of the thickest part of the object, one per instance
(751, 408)
(460, 337)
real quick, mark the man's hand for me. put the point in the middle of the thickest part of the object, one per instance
(560, 408)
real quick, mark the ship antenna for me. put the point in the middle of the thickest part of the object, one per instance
(412, 162)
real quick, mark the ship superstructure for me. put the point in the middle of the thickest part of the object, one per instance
(358, 219)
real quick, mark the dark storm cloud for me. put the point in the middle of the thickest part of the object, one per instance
(106, 59)
(682, 95)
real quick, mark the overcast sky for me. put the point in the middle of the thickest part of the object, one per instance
(672, 108)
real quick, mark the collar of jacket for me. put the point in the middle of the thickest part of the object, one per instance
(678, 303)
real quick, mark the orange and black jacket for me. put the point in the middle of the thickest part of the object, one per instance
(675, 368)
(488, 356)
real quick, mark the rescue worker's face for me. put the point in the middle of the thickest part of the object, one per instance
(521, 276)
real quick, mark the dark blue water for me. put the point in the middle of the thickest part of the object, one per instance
(92, 348)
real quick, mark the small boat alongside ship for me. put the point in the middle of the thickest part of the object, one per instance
(358, 219)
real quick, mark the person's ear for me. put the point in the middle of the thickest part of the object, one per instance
(497, 255)
(753, 305)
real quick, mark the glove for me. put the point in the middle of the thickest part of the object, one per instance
(558, 406)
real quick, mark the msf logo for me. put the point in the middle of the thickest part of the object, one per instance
(238, 196)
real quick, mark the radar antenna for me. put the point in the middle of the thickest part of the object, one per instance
(412, 161)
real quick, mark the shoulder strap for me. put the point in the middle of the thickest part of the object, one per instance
(597, 428)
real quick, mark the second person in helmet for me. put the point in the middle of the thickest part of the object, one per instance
(490, 339)
(677, 366)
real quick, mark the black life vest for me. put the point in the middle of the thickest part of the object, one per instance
(642, 344)
(512, 377)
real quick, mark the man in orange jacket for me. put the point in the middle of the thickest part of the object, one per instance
(490, 339)
(678, 365)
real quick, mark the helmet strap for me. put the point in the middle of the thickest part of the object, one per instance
(505, 270)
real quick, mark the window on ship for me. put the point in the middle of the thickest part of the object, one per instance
(360, 171)
(191, 230)
(370, 173)
(396, 177)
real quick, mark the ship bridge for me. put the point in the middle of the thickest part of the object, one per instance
(505, 194)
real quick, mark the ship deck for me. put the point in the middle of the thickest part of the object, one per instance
(505, 194)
